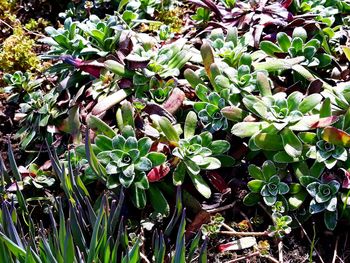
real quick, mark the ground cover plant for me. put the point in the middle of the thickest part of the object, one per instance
(174, 131)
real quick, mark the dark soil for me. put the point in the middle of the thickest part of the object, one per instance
(7, 128)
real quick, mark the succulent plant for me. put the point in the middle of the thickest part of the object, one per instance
(280, 117)
(81, 39)
(324, 197)
(127, 160)
(281, 226)
(37, 111)
(242, 80)
(230, 47)
(210, 110)
(202, 15)
(327, 153)
(297, 46)
(193, 153)
(19, 82)
(266, 184)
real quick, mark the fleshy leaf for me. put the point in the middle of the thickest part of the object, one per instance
(336, 136)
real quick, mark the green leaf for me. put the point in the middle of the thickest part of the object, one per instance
(12, 162)
(133, 255)
(179, 173)
(269, 142)
(200, 185)
(268, 169)
(346, 51)
(158, 200)
(13, 247)
(310, 102)
(247, 129)
(203, 253)
(192, 78)
(211, 163)
(144, 145)
(306, 180)
(263, 84)
(324, 59)
(156, 158)
(296, 200)
(144, 164)
(125, 115)
(330, 219)
(194, 246)
(138, 197)
(255, 185)
(219, 146)
(255, 172)
(180, 249)
(190, 125)
(291, 143)
(300, 32)
(275, 65)
(270, 48)
(95, 235)
(251, 199)
(104, 143)
(169, 130)
(233, 113)
(270, 200)
(225, 160)
(308, 137)
(283, 41)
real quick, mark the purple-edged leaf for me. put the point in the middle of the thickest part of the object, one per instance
(346, 179)
(133, 62)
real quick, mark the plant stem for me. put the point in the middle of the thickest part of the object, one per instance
(244, 257)
(220, 209)
(228, 227)
(335, 250)
(280, 251)
(308, 238)
(244, 234)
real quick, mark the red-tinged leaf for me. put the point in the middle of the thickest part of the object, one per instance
(286, 3)
(346, 180)
(93, 70)
(324, 122)
(218, 182)
(239, 244)
(203, 217)
(92, 67)
(158, 172)
(23, 171)
(175, 100)
(336, 136)
(160, 147)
